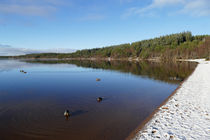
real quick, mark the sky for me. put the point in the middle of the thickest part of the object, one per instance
(81, 24)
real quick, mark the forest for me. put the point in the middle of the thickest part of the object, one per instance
(175, 46)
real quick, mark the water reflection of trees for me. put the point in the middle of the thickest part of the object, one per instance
(172, 72)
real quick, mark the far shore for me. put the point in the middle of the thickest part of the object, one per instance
(91, 59)
(99, 59)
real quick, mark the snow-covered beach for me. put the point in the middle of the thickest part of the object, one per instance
(186, 114)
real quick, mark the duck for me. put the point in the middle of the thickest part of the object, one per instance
(97, 79)
(99, 99)
(66, 113)
(21, 70)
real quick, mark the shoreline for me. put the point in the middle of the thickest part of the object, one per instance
(156, 59)
(88, 59)
(102, 59)
(147, 129)
(151, 116)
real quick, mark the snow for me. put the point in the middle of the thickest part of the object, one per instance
(186, 115)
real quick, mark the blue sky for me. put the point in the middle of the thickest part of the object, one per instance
(80, 24)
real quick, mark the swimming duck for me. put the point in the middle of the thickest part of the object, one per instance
(66, 113)
(97, 79)
(99, 99)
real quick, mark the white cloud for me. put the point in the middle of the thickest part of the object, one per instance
(29, 7)
(27, 10)
(162, 3)
(6, 50)
(189, 7)
(157, 4)
(197, 8)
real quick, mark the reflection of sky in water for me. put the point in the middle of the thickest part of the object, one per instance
(8, 65)
(156, 71)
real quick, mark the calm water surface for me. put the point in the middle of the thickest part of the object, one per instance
(32, 104)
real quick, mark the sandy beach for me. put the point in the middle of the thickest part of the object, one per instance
(186, 114)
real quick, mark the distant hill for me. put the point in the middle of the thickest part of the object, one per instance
(175, 46)
(6, 50)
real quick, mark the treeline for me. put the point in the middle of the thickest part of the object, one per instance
(175, 46)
